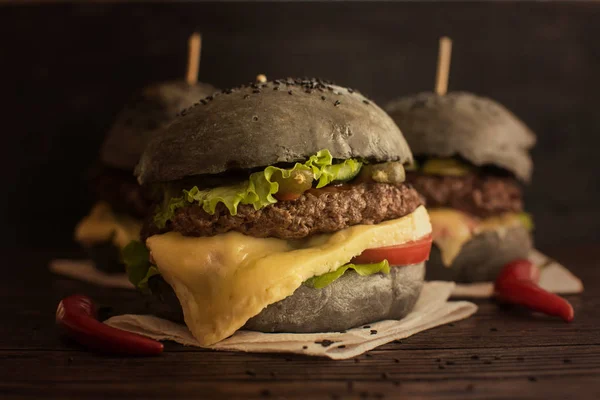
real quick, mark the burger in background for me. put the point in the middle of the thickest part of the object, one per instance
(116, 218)
(284, 209)
(471, 156)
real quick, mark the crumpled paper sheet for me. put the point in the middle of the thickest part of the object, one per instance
(432, 309)
(554, 278)
(84, 270)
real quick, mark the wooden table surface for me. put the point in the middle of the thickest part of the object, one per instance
(498, 353)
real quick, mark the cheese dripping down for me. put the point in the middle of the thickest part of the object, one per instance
(223, 281)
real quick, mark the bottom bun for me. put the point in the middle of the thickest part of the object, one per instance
(351, 301)
(481, 258)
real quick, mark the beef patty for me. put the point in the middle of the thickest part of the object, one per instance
(317, 211)
(121, 191)
(479, 195)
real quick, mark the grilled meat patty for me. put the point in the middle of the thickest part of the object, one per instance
(479, 195)
(325, 210)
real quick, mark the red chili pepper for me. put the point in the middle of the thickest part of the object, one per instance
(517, 284)
(77, 316)
(522, 270)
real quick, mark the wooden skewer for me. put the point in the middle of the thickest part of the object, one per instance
(194, 48)
(262, 78)
(443, 67)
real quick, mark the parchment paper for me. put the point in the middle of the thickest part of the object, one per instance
(432, 309)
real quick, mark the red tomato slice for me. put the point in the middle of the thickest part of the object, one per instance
(403, 254)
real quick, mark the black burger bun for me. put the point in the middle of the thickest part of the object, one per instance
(350, 301)
(149, 111)
(268, 123)
(476, 128)
(482, 258)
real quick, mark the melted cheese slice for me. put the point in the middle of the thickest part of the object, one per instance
(452, 229)
(223, 281)
(102, 225)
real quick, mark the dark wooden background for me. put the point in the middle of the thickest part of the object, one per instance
(499, 353)
(65, 70)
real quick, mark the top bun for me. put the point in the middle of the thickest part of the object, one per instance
(476, 128)
(267, 123)
(150, 110)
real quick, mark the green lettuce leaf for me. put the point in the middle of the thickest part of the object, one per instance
(343, 172)
(321, 281)
(136, 258)
(259, 189)
(162, 215)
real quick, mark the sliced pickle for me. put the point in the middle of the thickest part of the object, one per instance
(292, 187)
(389, 172)
(445, 167)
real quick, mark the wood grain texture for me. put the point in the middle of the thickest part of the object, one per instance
(499, 353)
(67, 69)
